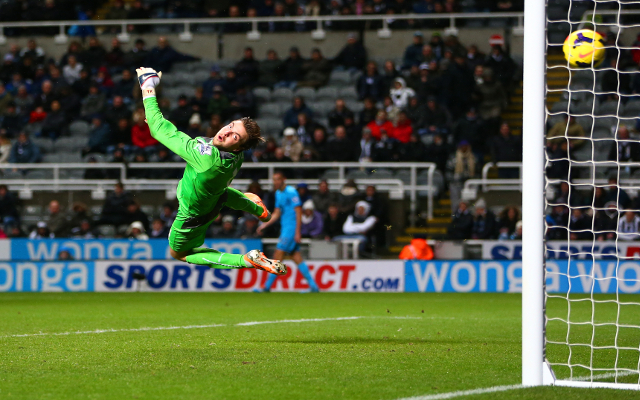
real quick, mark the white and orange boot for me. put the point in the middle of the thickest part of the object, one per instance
(258, 260)
(266, 214)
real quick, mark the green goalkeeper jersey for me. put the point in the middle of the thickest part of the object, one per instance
(209, 171)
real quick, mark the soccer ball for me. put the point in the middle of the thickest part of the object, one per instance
(584, 47)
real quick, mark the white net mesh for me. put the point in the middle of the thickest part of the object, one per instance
(592, 178)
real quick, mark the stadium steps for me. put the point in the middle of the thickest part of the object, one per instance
(557, 78)
(513, 113)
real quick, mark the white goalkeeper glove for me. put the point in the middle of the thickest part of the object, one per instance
(148, 79)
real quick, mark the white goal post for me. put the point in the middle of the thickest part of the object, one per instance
(588, 338)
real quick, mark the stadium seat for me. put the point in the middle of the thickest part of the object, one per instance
(107, 230)
(307, 93)
(262, 94)
(68, 157)
(11, 174)
(68, 144)
(45, 144)
(188, 91)
(381, 173)
(632, 109)
(269, 110)
(357, 174)
(40, 174)
(355, 106)
(51, 158)
(340, 78)
(608, 108)
(79, 128)
(331, 174)
(348, 93)
(404, 175)
(583, 107)
(71, 173)
(323, 121)
(148, 209)
(33, 210)
(272, 126)
(200, 76)
(322, 109)
(602, 133)
(605, 123)
(560, 106)
(97, 156)
(282, 94)
(170, 80)
(586, 123)
(327, 93)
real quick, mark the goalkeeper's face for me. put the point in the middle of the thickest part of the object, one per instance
(231, 137)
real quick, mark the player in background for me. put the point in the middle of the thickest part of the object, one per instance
(203, 190)
(288, 210)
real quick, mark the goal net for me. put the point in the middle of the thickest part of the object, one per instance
(591, 335)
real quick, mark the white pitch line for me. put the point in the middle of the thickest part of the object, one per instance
(168, 328)
(494, 389)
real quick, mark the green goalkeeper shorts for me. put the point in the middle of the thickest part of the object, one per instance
(182, 239)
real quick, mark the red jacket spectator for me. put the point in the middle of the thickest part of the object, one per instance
(403, 129)
(379, 124)
(37, 115)
(141, 136)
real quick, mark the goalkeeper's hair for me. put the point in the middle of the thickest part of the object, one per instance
(254, 135)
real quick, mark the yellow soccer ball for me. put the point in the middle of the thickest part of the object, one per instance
(584, 48)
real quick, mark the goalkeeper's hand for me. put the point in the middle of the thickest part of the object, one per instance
(148, 79)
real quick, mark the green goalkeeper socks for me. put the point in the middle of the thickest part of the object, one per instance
(238, 201)
(215, 259)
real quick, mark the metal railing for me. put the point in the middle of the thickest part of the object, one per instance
(503, 164)
(348, 246)
(394, 186)
(254, 34)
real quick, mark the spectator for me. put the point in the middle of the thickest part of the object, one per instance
(114, 59)
(579, 225)
(461, 227)
(140, 133)
(180, 115)
(158, 230)
(199, 103)
(492, 101)
(54, 122)
(298, 107)
(502, 66)
(400, 93)
(291, 145)
(629, 226)
(134, 213)
(339, 147)
(370, 85)
(24, 151)
(136, 57)
(348, 197)
(474, 57)
(360, 225)
(227, 230)
(624, 149)
(214, 80)
(162, 57)
(71, 71)
(23, 101)
(136, 231)
(93, 104)
(33, 51)
(138, 173)
(219, 103)
(5, 99)
(120, 137)
(415, 150)
(324, 197)
(319, 143)
(418, 249)
(517, 235)
(471, 129)
(316, 70)
(387, 149)
(8, 208)
(99, 173)
(305, 128)
(83, 231)
(117, 111)
(79, 213)
(465, 162)
(37, 115)
(99, 137)
(333, 222)
(338, 115)
(606, 223)
(292, 69)
(243, 104)
(117, 11)
(413, 53)
(11, 122)
(389, 75)
(70, 103)
(247, 227)
(506, 148)
(367, 146)
(270, 69)
(83, 85)
(425, 86)
(381, 123)
(168, 214)
(94, 55)
(402, 130)
(369, 112)
(41, 232)
(5, 148)
(437, 118)
(195, 126)
(312, 223)
(115, 206)
(484, 223)
(248, 69)
(507, 221)
(616, 194)
(352, 56)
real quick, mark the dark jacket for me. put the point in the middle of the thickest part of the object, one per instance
(506, 149)
(24, 153)
(485, 226)
(461, 225)
(163, 59)
(292, 69)
(352, 56)
(370, 86)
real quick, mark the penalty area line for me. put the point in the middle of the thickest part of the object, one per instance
(168, 328)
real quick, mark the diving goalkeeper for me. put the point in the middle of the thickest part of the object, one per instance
(204, 189)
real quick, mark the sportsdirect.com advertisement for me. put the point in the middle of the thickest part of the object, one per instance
(113, 276)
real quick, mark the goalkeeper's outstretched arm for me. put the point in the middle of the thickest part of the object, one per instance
(161, 129)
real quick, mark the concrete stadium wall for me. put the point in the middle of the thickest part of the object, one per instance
(206, 46)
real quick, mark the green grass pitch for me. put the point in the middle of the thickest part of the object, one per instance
(452, 342)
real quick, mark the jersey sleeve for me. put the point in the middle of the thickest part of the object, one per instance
(196, 152)
(278, 201)
(294, 198)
